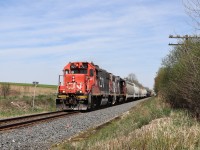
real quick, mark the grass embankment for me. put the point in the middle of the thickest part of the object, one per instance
(16, 106)
(150, 125)
(19, 100)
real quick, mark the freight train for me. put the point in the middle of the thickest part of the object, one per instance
(85, 86)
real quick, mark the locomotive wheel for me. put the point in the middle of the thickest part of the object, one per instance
(124, 99)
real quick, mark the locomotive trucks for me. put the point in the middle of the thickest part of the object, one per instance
(85, 86)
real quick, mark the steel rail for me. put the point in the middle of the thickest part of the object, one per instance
(18, 121)
(28, 116)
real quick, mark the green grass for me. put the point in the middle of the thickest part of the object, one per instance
(150, 125)
(16, 105)
(18, 101)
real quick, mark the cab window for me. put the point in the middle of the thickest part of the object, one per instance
(91, 72)
(78, 71)
(66, 72)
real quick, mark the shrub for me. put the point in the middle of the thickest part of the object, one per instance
(5, 89)
(178, 79)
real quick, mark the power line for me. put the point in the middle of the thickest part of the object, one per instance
(186, 37)
(172, 44)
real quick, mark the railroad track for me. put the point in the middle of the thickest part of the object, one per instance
(17, 122)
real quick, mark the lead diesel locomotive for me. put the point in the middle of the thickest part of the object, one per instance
(85, 86)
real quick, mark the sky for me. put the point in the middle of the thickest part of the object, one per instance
(38, 38)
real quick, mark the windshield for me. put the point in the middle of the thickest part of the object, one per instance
(78, 71)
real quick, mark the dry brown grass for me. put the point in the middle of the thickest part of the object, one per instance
(19, 100)
(28, 90)
(166, 130)
(162, 133)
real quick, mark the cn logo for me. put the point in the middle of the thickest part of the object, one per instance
(79, 86)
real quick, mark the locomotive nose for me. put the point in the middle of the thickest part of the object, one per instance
(73, 79)
(75, 83)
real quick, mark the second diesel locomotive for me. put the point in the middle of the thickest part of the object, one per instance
(85, 86)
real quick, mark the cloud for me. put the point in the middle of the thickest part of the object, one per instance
(122, 36)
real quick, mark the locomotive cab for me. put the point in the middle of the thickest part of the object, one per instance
(74, 91)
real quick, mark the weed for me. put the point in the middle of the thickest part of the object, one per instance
(150, 125)
(15, 105)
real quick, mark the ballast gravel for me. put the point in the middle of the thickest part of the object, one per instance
(42, 136)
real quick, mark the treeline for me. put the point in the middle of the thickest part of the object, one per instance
(132, 78)
(178, 80)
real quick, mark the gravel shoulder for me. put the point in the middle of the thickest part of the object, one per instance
(42, 136)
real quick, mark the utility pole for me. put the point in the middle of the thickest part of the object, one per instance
(186, 37)
(35, 83)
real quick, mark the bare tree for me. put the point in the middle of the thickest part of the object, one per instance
(5, 89)
(132, 77)
(192, 8)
